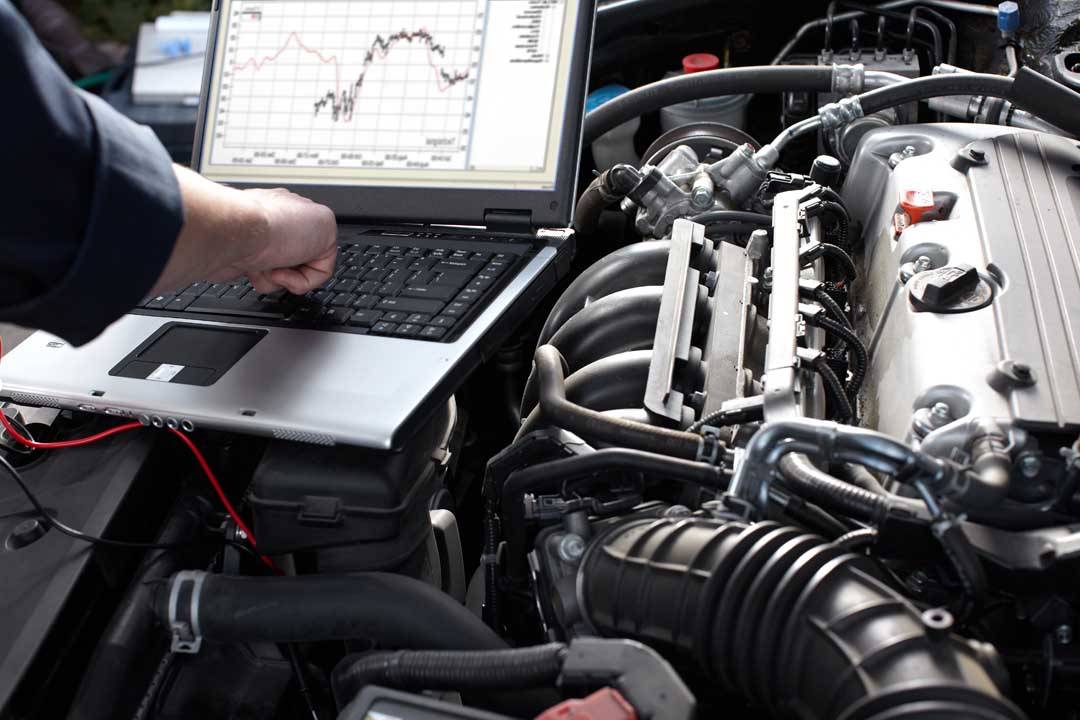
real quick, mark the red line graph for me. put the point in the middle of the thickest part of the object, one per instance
(342, 103)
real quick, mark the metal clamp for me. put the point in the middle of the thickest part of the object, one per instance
(840, 113)
(186, 634)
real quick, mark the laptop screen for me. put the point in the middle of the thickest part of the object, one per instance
(410, 93)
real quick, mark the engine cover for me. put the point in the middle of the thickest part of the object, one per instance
(1008, 203)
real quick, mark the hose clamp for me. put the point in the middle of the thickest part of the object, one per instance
(840, 113)
(184, 627)
(848, 79)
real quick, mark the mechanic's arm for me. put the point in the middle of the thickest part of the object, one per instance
(94, 216)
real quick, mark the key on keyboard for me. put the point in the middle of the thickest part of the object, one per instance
(399, 285)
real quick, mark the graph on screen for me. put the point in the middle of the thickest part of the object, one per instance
(349, 83)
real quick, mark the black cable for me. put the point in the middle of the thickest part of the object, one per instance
(71, 532)
(843, 221)
(855, 346)
(301, 679)
(833, 252)
(835, 388)
(823, 298)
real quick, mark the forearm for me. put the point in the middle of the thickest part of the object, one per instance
(220, 236)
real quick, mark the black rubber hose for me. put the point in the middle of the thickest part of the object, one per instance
(620, 322)
(728, 81)
(605, 190)
(964, 560)
(857, 539)
(832, 442)
(835, 389)
(1028, 90)
(801, 477)
(123, 662)
(393, 610)
(592, 425)
(492, 670)
(632, 266)
(858, 475)
(923, 88)
(796, 625)
(615, 382)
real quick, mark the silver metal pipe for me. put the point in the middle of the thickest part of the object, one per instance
(954, 5)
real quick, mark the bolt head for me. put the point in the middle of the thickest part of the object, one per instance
(1030, 465)
(941, 410)
(922, 263)
(1063, 634)
(571, 547)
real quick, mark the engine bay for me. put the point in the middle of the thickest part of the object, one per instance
(800, 436)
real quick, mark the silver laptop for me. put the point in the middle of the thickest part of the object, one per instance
(445, 135)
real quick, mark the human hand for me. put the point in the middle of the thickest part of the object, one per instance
(295, 244)
(274, 237)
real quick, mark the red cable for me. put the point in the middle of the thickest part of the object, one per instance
(199, 458)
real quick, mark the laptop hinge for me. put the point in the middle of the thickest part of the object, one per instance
(508, 221)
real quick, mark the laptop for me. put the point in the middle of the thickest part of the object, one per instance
(444, 134)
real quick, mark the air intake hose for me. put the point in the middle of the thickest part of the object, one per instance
(797, 625)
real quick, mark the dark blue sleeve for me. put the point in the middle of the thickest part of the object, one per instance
(89, 206)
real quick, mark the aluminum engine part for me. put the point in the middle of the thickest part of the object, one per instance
(1009, 202)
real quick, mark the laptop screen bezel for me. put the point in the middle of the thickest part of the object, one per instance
(441, 205)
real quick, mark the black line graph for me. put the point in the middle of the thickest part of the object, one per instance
(349, 82)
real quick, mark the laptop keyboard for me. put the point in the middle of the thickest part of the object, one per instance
(403, 285)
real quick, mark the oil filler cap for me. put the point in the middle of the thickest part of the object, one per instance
(950, 289)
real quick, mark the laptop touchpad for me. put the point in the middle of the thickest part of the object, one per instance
(188, 354)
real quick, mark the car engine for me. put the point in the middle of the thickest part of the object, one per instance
(800, 438)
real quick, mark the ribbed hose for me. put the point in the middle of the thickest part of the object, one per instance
(843, 220)
(516, 669)
(855, 346)
(835, 389)
(841, 258)
(831, 306)
(820, 487)
(798, 626)
(728, 81)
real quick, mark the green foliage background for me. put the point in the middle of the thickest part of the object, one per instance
(119, 19)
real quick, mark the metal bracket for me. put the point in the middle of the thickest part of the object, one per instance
(186, 634)
(676, 320)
